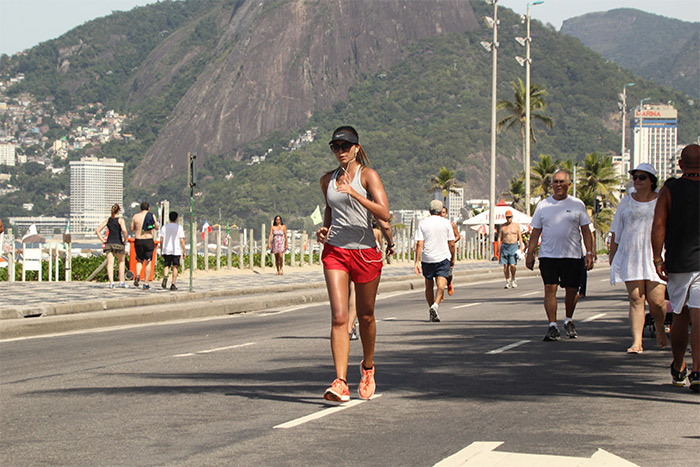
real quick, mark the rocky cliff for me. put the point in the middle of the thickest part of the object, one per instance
(274, 64)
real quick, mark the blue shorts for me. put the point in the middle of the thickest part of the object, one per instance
(509, 253)
(432, 270)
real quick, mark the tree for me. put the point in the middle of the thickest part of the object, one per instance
(542, 173)
(444, 182)
(518, 108)
(598, 179)
(516, 191)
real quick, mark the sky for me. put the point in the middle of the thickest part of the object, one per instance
(26, 23)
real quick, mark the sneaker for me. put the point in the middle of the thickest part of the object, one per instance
(570, 330)
(367, 384)
(513, 284)
(678, 377)
(552, 334)
(122, 285)
(338, 391)
(111, 285)
(146, 287)
(136, 281)
(450, 289)
(434, 316)
(173, 288)
(507, 286)
(164, 284)
(694, 380)
(353, 334)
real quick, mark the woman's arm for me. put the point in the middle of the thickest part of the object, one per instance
(122, 224)
(99, 230)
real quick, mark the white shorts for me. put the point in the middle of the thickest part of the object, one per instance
(683, 289)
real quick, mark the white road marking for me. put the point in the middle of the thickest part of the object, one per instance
(507, 347)
(481, 453)
(294, 308)
(531, 293)
(605, 280)
(202, 352)
(391, 318)
(395, 294)
(323, 413)
(465, 306)
(591, 318)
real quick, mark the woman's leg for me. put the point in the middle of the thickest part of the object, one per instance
(337, 283)
(657, 308)
(121, 263)
(366, 295)
(110, 266)
(352, 309)
(635, 292)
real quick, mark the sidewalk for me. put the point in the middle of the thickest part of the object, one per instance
(33, 308)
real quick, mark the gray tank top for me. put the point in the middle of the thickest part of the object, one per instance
(351, 223)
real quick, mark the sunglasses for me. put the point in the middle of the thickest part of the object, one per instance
(344, 146)
(641, 177)
(558, 181)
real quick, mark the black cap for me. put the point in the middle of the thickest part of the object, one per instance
(342, 134)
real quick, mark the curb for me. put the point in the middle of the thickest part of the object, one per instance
(71, 317)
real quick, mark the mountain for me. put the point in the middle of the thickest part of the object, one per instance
(660, 49)
(234, 79)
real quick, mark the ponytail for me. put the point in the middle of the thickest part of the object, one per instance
(115, 210)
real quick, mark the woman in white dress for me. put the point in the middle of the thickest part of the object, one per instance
(631, 258)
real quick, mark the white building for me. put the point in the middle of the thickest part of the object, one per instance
(655, 130)
(45, 225)
(7, 154)
(454, 203)
(95, 185)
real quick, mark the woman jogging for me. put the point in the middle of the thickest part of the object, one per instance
(114, 244)
(354, 194)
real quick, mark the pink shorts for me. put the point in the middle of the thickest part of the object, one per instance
(363, 265)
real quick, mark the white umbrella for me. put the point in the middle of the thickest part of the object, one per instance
(500, 216)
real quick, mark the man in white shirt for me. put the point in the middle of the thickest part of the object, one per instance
(172, 247)
(435, 255)
(561, 220)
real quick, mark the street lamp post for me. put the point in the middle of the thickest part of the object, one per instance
(493, 48)
(527, 61)
(623, 96)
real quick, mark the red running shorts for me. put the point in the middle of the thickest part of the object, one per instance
(362, 265)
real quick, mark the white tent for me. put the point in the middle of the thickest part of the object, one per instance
(500, 217)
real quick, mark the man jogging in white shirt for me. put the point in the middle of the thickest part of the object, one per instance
(435, 255)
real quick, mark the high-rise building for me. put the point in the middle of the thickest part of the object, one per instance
(95, 185)
(655, 130)
(454, 202)
(7, 154)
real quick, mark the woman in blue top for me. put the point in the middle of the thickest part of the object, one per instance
(354, 194)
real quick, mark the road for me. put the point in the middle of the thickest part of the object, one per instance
(247, 389)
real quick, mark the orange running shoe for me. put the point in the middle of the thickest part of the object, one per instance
(450, 289)
(338, 391)
(367, 385)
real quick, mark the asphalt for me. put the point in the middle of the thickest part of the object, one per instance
(33, 308)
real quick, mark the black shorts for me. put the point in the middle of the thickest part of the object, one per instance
(171, 260)
(565, 272)
(433, 270)
(144, 249)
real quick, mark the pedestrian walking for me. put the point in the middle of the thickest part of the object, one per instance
(450, 287)
(435, 256)
(560, 220)
(354, 193)
(145, 227)
(172, 247)
(677, 227)
(277, 243)
(632, 260)
(114, 244)
(510, 241)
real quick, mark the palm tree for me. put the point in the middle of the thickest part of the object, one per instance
(597, 174)
(517, 110)
(444, 182)
(516, 191)
(542, 173)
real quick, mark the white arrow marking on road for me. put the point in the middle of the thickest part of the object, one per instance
(214, 350)
(323, 413)
(482, 454)
(464, 306)
(507, 347)
(591, 318)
